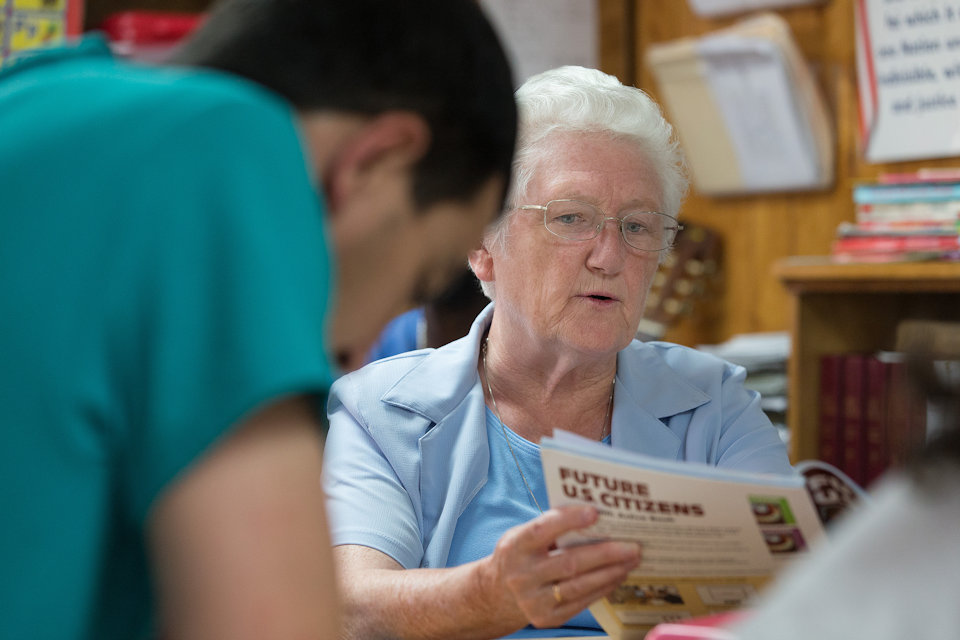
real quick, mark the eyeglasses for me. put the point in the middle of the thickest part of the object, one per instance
(576, 220)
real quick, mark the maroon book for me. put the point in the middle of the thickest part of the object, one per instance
(876, 457)
(854, 415)
(831, 409)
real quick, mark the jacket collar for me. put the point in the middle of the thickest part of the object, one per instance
(444, 376)
(648, 390)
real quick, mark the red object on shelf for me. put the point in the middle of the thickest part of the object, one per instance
(74, 17)
(148, 35)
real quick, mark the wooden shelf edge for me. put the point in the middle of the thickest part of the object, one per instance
(819, 273)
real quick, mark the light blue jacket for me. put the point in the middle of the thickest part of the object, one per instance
(407, 448)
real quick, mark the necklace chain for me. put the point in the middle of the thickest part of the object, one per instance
(503, 427)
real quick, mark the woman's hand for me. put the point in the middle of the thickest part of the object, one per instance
(547, 585)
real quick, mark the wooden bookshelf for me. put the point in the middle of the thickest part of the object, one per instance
(852, 307)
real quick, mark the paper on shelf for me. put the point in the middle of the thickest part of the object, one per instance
(746, 109)
(750, 82)
(753, 350)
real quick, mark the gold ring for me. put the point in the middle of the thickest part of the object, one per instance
(556, 593)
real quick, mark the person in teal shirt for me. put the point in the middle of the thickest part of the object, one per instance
(189, 255)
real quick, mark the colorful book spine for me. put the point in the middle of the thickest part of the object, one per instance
(890, 243)
(890, 193)
(879, 257)
(943, 213)
(899, 228)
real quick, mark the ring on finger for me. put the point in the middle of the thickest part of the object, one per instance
(556, 593)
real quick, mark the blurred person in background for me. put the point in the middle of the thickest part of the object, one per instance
(440, 321)
(187, 254)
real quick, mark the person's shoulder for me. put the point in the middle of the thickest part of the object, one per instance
(126, 106)
(170, 99)
(370, 396)
(206, 95)
(674, 355)
(377, 377)
(666, 361)
(430, 380)
(87, 70)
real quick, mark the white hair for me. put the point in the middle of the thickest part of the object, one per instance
(579, 100)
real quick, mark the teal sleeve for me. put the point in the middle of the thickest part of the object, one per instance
(231, 289)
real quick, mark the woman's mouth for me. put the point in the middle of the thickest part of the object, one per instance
(601, 298)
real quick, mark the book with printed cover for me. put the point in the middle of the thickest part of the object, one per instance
(711, 538)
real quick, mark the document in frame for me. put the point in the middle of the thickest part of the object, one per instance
(908, 77)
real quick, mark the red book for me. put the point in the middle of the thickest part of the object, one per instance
(876, 457)
(831, 409)
(891, 243)
(878, 257)
(927, 174)
(854, 414)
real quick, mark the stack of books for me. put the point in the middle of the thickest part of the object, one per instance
(903, 217)
(870, 417)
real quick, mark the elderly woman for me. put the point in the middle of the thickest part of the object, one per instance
(436, 497)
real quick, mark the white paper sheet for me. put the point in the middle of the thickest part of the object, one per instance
(908, 67)
(542, 34)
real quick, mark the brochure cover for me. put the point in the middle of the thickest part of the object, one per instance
(711, 538)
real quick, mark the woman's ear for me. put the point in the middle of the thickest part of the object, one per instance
(392, 141)
(481, 262)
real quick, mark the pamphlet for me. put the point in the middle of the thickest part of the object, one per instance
(711, 538)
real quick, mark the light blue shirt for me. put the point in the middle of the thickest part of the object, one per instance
(408, 449)
(503, 502)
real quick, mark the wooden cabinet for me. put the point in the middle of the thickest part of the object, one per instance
(852, 307)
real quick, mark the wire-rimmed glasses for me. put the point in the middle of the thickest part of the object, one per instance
(577, 220)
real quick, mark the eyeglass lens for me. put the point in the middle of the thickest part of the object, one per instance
(574, 220)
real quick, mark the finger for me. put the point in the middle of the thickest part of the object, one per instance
(561, 601)
(542, 532)
(570, 562)
(557, 602)
(579, 592)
